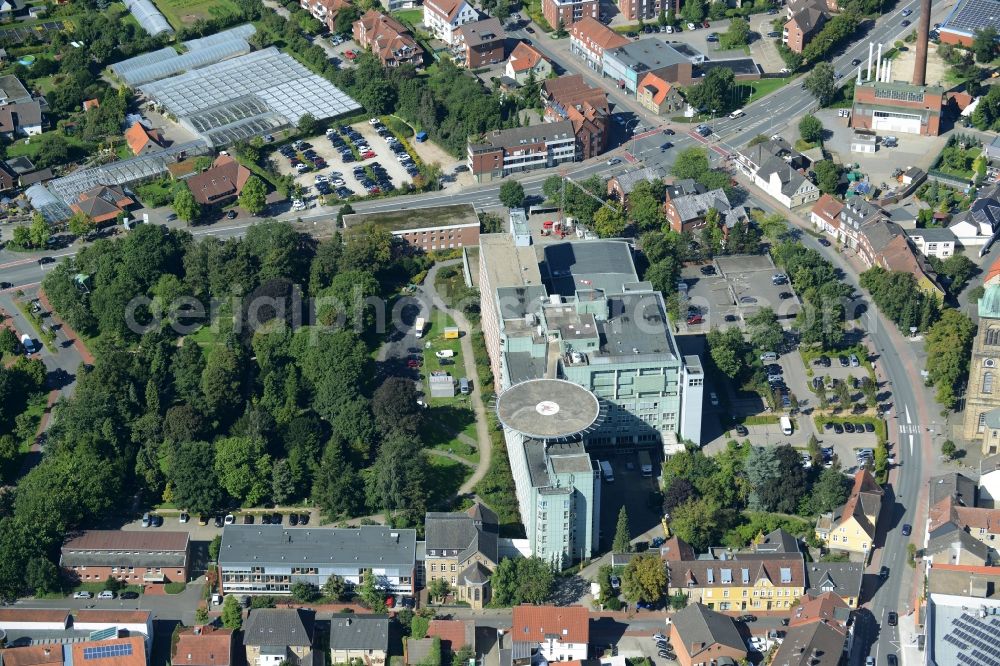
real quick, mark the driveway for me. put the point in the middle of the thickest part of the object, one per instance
(762, 49)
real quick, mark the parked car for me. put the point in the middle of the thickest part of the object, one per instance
(742, 430)
(128, 595)
(293, 519)
(83, 594)
(747, 618)
(106, 594)
(907, 529)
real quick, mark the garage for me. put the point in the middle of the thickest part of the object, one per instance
(893, 121)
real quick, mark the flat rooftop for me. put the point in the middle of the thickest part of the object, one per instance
(637, 326)
(547, 409)
(368, 546)
(960, 636)
(739, 66)
(572, 456)
(458, 215)
(578, 265)
(647, 54)
(515, 302)
(971, 15)
(506, 264)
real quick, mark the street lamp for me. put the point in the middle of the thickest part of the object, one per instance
(635, 128)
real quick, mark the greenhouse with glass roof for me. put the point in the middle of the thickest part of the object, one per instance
(201, 52)
(148, 16)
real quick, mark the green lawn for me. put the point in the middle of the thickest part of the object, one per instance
(35, 410)
(442, 425)
(185, 12)
(445, 477)
(29, 149)
(454, 365)
(765, 87)
(412, 17)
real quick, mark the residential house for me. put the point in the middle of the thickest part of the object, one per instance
(503, 152)
(982, 393)
(568, 12)
(10, 8)
(905, 216)
(388, 39)
(462, 549)
(805, 19)
(778, 170)
(956, 547)
(855, 214)
(825, 215)
(89, 104)
(980, 224)
(636, 10)
(479, 43)
(12, 91)
(953, 510)
(676, 549)
(552, 633)
(688, 212)
(933, 242)
(817, 633)
(220, 183)
(659, 95)
(454, 634)
(8, 177)
(777, 541)
(742, 582)
(270, 559)
(359, 637)
(444, 17)
(203, 645)
(620, 186)
(842, 579)
(142, 141)
(589, 38)
(325, 11)
(21, 119)
(104, 203)
(702, 636)
(526, 62)
(272, 636)
(884, 243)
(852, 526)
(586, 107)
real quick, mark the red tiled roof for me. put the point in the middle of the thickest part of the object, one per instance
(132, 539)
(676, 549)
(33, 655)
(386, 36)
(828, 208)
(569, 624)
(111, 616)
(591, 31)
(224, 179)
(204, 646)
(524, 57)
(820, 608)
(993, 273)
(33, 615)
(137, 658)
(89, 104)
(452, 632)
(448, 8)
(138, 136)
(660, 85)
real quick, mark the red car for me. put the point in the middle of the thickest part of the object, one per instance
(695, 319)
(368, 155)
(413, 363)
(350, 55)
(706, 25)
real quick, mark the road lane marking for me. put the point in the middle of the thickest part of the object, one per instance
(911, 445)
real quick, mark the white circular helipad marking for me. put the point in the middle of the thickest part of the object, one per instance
(547, 408)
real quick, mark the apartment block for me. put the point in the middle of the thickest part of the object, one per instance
(503, 152)
(569, 12)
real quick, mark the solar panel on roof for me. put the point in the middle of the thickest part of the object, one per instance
(108, 651)
(972, 15)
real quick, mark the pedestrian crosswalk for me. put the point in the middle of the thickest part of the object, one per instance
(908, 429)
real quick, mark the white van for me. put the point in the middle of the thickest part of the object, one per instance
(786, 425)
(738, 113)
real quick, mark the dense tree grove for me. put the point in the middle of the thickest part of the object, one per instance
(900, 298)
(246, 410)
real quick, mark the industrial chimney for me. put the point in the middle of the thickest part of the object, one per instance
(923, 31)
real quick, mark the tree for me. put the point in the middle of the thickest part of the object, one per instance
(715, 92)
(113, 584)
(254, 195)
(39, 231)
(512, 194)
(304, 592)
(307, 124)
(700, 522)
(610, 222)
(213, 548)
(644, 579)
(80, 224)
(811, 129)
(243, 468)
(984, 44)
(395, 407)
(232, 613)
(192, 476)
(521, 581)
(201, 615)
(623, 540)
(765, 331)
(827, 176)
(948, 344)
(737, 35)
(42, 576)
(693, 11)
(729, 352)
(830, 490)
(821, 83)
(371, 593)
(439, 588)
(185, 205)
(560, 28)
(335, 588)
(958, 268)
(948, 449)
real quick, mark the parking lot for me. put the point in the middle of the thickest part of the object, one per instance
(631, 490)
(733, 288)
(320, 167)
